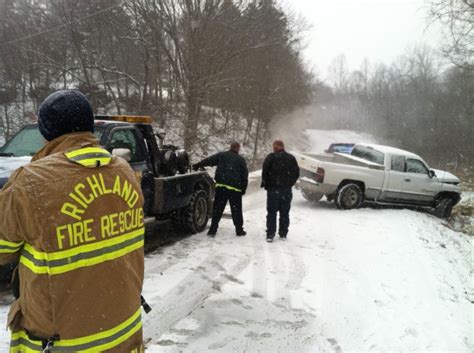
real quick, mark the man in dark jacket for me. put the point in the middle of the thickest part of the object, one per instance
(280, 172)
(231, 183)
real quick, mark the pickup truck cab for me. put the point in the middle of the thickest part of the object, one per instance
(184, 198)
(377, 174)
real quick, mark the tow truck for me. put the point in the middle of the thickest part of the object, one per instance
(171, 190)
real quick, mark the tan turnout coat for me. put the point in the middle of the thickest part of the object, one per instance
(74, 219)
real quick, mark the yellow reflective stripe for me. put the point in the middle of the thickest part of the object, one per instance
(92, 162)
(227, 187)
(84, 248)
(11, 244)
(8, 247)
(42, 262)
(104, 335)
(90, 157)
(85, 150)
(94, 343)
(21, 343)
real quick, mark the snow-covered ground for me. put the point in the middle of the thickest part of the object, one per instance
(362, 281)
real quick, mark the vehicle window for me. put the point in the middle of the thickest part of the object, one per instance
(98, 131)
(416, 166)
(29, 140)
(126, 138)
(368, 154)
(342, 148)
(398, 163)
(26, 143)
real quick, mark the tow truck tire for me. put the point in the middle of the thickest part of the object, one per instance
(349, 196)
(169, 163)
(311, 196)
(182, 161)
(444, 207)
(196, 214)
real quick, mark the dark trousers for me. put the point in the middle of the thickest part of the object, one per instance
(220, 201)
(278, 200)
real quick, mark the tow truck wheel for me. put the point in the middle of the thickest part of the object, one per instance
(311, 196)
(349, 196)
(196, 215)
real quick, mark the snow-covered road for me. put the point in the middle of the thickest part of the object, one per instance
(363, 281)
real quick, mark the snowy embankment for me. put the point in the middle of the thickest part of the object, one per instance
(363, 281)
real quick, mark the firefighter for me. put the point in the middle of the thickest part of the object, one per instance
(231, 183)
(73, 218)
(279, 173)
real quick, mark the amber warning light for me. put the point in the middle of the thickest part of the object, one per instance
(133, 119)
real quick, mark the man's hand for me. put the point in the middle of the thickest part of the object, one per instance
(196, 167)
(243, 192)
(262, 185)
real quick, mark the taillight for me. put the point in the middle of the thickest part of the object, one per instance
(319, 177)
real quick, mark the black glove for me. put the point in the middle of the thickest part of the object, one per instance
(243, 192)
(196, 167)
(262, 185)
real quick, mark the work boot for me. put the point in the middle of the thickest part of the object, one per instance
(270, 238)
(241, 233)
(212, 233)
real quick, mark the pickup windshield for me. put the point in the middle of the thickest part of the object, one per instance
(369, 154)
(28, 141)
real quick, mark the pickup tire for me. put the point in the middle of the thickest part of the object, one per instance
(444, 207)
(349, 196)
(196, 215)
(311, 196)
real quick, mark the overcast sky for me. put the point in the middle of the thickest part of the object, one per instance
(380, 30)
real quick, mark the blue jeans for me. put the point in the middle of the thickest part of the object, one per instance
(278, 200)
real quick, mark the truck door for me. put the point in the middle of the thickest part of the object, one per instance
(128, 137)
(396, 177)
(418, 186)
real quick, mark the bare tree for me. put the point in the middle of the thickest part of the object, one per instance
(457, 18)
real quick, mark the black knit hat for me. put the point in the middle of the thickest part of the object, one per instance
(64, 112)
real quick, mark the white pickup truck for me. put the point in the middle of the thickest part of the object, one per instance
(377, 174)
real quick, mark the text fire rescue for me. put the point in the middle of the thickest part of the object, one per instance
(114, 224)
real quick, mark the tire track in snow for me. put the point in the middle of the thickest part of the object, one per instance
(187, 285)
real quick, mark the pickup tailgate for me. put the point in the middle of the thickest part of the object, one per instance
(307, 161)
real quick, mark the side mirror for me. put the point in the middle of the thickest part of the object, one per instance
(432, 173)
(124, 153)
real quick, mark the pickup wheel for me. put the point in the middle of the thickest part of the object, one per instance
(444, 207)
(196, 214)
(349, 196)
(311, 196)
